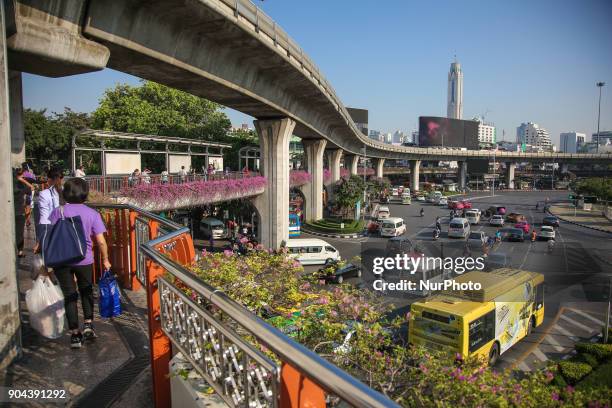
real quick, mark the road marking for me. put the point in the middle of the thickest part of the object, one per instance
(538, 353)
(564, 249)
(536, 343)
(587, 316)
(577, 324)
(567, 333)
(553, 342)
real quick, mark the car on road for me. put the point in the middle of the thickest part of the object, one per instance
(523, 225)
(493, 210)
(466, 204)
(514, 234)
(455, 205)
(443, 201)
(392, 227)
(473, 216)
(212, 227)
(337, 271)
(497, 220)
(420, 197)
(477, 239)
(501, 210)
(546, 232)
(406, 199)
(551, 221)
(515, 217)
(383, 212)
(458, 228)
(394, 191)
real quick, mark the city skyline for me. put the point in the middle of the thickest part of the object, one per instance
(397, 89)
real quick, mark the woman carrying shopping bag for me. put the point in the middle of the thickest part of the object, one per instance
(75, 194)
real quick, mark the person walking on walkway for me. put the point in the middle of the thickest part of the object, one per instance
(48, 200)
(75, 193)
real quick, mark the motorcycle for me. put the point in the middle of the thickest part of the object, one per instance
(436, 234)
(422, 212)
(551, 245)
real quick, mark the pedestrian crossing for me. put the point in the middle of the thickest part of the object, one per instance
(554, 342)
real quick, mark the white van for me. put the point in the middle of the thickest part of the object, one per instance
(458, 228)
(383, 212)
(473, 216)
(312, 251)
(392, 227)
(212, 226)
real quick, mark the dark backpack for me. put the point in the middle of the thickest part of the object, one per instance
(64, 243)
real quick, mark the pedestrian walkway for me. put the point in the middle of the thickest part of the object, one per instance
(112, 370)
(575, 323)
(590, 219)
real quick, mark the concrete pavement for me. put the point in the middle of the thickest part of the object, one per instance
(588, 219)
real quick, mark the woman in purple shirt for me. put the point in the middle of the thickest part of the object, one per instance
(75, 194)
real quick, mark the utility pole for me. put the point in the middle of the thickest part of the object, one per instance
(599, 85)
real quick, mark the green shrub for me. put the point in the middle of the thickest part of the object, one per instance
(573, 371)
(600, 378)
(586, 358)
(600, 351)
(559, 381)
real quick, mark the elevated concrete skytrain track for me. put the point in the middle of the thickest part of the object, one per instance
(228, 51)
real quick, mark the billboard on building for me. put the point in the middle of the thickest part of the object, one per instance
(121, 163)
(478, 166)
(447, 132)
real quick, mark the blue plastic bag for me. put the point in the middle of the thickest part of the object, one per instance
(110, 298)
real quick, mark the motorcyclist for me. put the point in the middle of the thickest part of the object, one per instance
(438, 225)
(498, 236)
(436, 234)
(422, 212)
(537, 205)
(534, 235)
(551, 245)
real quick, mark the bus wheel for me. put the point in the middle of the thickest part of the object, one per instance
(493, 354)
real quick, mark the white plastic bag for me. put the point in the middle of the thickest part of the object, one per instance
(45, 303)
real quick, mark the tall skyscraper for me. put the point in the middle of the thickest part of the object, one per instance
(454, 108)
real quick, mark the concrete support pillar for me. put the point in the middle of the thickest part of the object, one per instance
(16, 108)
(352, 162)
(313, 191)
(462, 175)
(378, 167)
(415, 166)
(10, 339)
(273, 204)
(510, 167)
(333, 158)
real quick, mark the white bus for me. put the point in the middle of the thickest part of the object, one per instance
(312, 251)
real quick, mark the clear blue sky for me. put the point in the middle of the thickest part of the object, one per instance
(523, 60)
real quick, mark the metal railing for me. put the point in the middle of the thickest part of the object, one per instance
(114, 184)
(220, 338)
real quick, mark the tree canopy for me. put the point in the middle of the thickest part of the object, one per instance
(152, 108)
(348, 192)
(596, 186)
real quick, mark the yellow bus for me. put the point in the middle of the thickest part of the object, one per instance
(481, 322)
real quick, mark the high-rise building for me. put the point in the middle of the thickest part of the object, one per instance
(360, 117)
(571, 141)
(388, 138)
(454, 108)
(486, 133)
(532, 134)
(604, 137)
(398, 137)
(374, 135)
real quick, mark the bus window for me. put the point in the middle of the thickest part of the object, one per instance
(482, 331)
(314, 250)
(330, 249)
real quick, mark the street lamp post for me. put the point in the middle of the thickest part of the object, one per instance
(599, 85)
